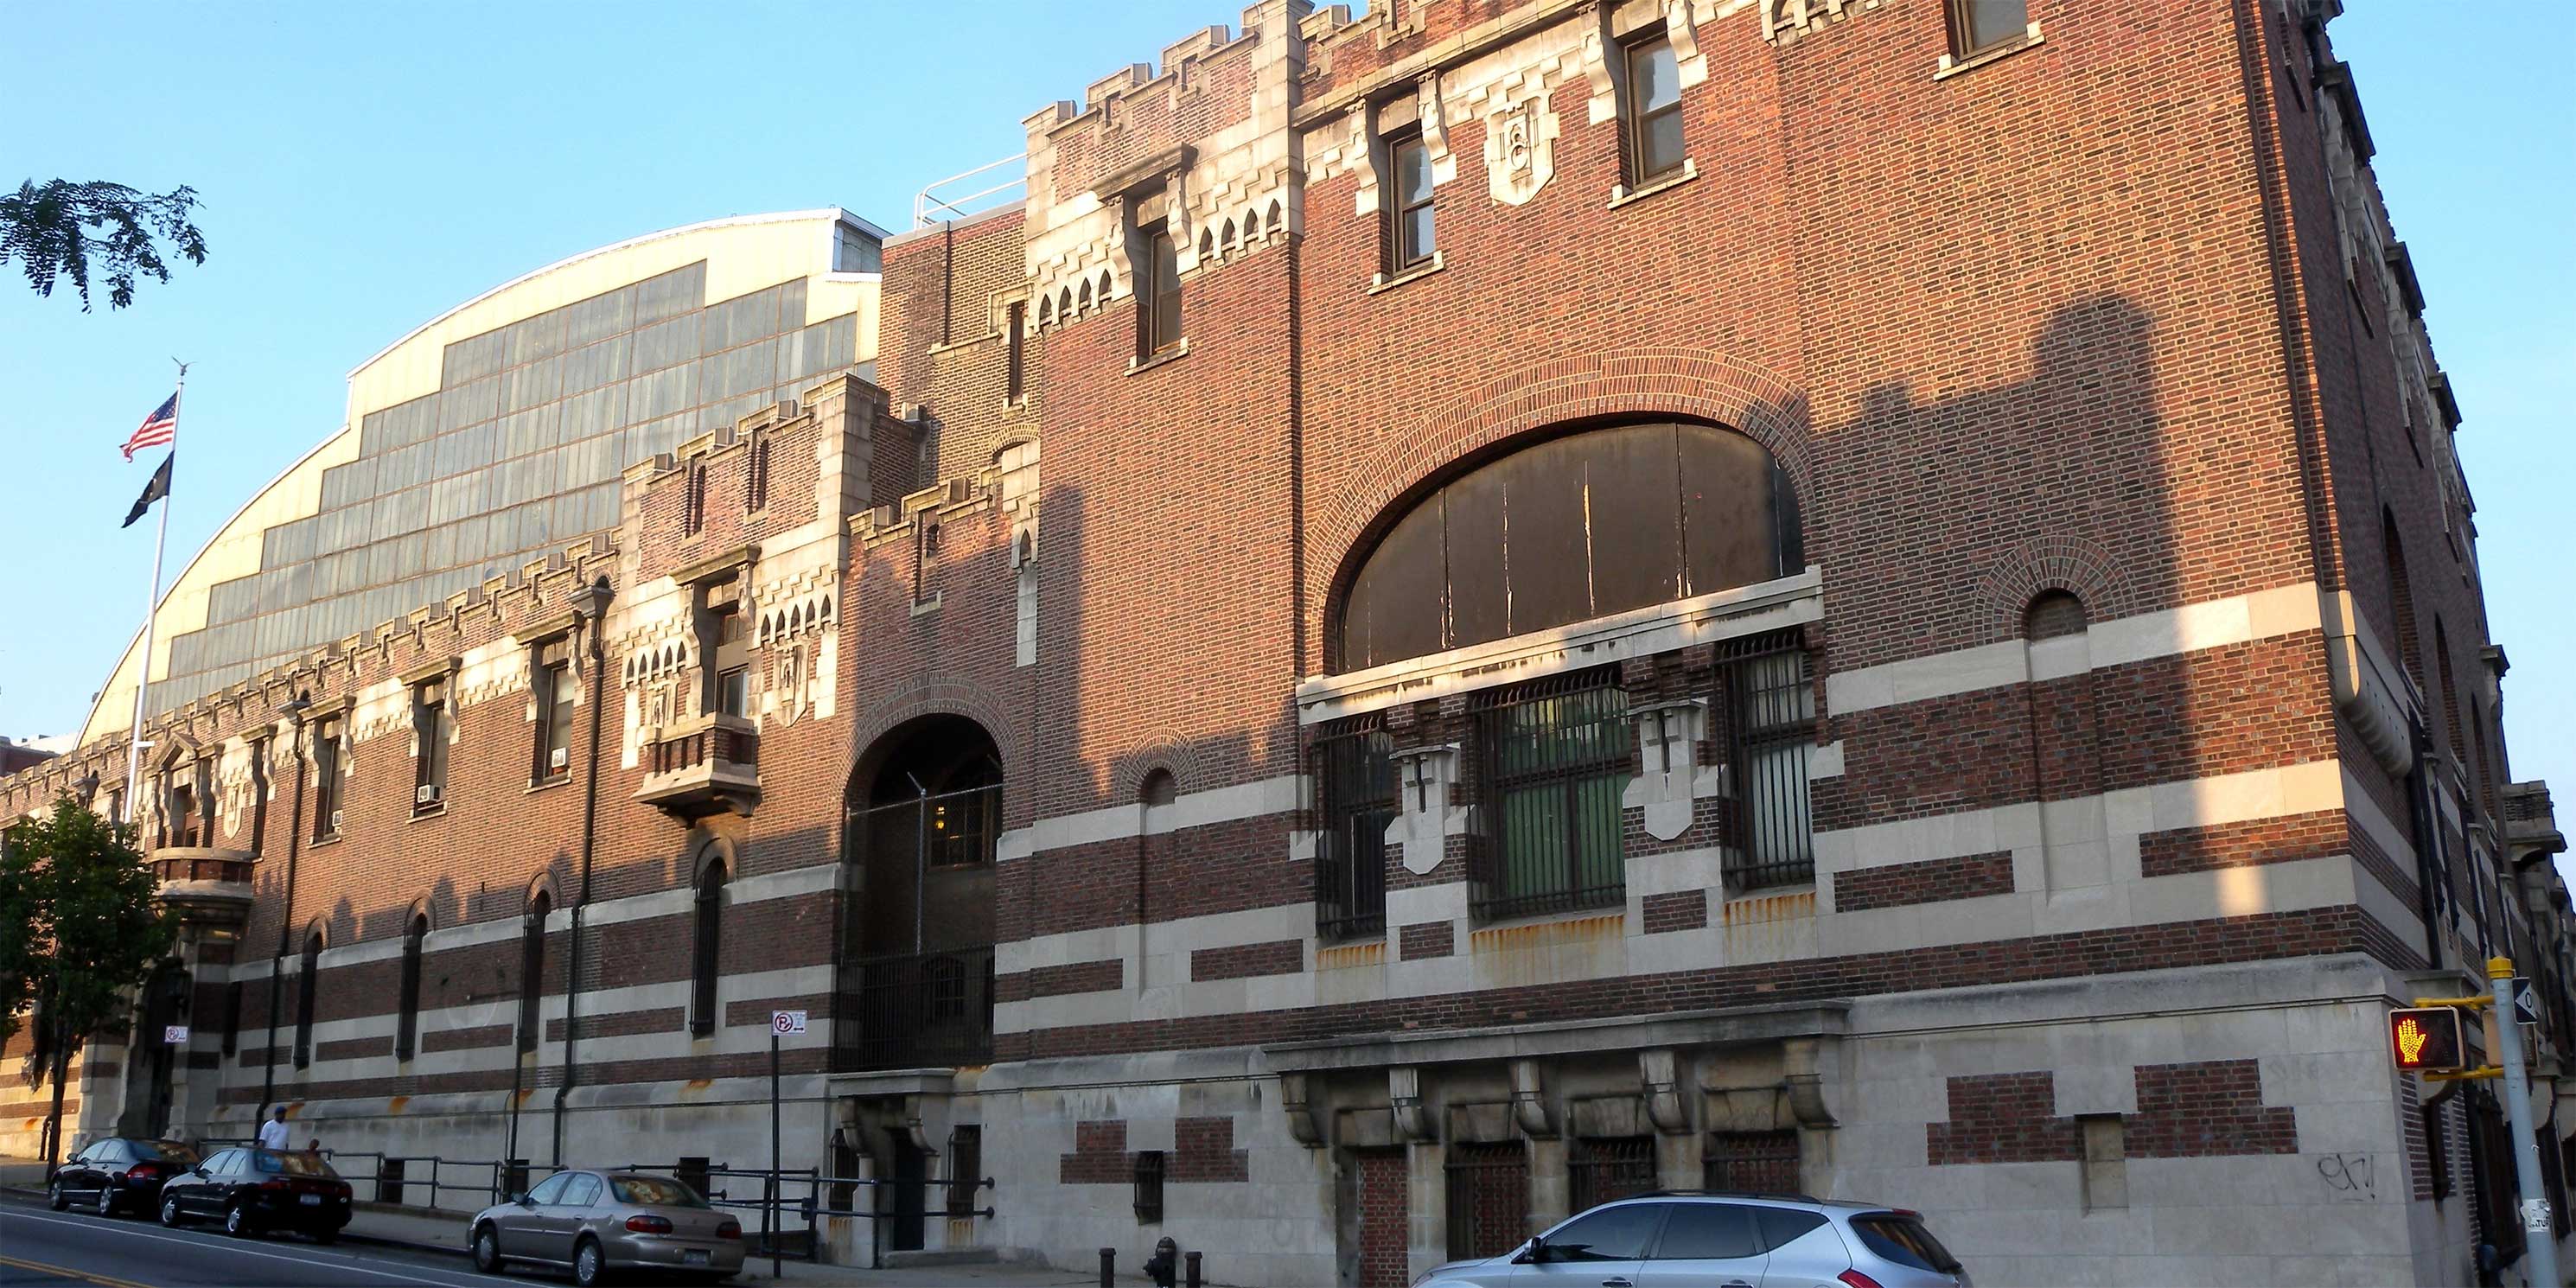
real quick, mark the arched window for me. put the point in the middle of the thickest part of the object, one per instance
(916, 966)
(704, 946)
(532, 968)
(407, 1032)
(2053, 613)
(755, 486)
(1576, 527)
(304, 988)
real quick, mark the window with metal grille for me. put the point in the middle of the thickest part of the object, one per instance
(1149, 1186)
(1556, 754)
(965, 1167)
(703, 957)
(1602, 1168)
(1488, 1198)
(1357, 799)
(304, 988)
(1654, 111)
(407, 1027)
(1773, 705)
(532, 969)
(1751, 1162)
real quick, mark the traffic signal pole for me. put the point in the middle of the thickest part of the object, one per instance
(2536, 1235)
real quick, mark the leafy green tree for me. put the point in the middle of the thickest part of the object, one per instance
(81, 928)
(64, 231)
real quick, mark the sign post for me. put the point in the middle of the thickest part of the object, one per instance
(781, 1023)
(2537, 1243)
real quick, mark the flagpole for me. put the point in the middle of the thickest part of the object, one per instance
(152, 610)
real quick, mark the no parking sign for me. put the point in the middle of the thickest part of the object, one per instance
(783, 1023)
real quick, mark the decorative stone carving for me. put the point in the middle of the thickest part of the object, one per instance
(1802, 1071)
(1427, 819)
(1520, 149)
(1295, 1099)
(1660, 1071)
(1404, 1096)
(1668, 738)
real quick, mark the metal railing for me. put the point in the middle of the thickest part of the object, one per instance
(920, 1009)
(706, 744)
(792, 1203)
(932, 204)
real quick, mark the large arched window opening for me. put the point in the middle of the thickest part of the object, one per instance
(925, 812)
(1571, 528)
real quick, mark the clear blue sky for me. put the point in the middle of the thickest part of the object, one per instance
(365, 167)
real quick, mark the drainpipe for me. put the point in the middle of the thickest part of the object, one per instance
(590, 605)
(294, 712)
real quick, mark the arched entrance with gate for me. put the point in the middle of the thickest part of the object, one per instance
(916, 971)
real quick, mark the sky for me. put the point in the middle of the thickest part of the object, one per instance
(364, 168)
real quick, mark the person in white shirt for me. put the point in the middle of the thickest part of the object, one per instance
(272, 1134)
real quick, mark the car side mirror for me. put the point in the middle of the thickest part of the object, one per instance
(1533, 1252)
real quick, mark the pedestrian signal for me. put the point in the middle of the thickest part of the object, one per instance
(2427, 1039)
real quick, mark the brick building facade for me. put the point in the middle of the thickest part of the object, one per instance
(1665, 593)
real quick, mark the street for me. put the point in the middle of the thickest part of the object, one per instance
(40, 1247)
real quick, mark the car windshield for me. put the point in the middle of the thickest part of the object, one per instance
(166, 1151)
(1905, 1240)
(655, 1191)
(290, 1164)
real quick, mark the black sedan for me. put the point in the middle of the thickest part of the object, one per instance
(119, 1175)
(256, 1190)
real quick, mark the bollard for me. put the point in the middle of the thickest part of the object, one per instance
(1193, 1279)
(1108, 1268)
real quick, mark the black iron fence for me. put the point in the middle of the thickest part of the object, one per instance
(1489, 1192)
(1599, 1169)
(1356, 802)
(1556, 757)
(1773, 713)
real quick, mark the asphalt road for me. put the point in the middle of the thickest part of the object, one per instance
(44, 1249)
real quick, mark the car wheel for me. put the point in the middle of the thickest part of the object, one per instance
(56, 1197)
(170, 1211)
(106, 1199)
(487, 1250)
(237, 1220)
(326, 1236)
(589, 1264)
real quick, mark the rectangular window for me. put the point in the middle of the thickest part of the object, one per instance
(258, 794)
(1773, 712)
(208, 803)
(430, 730)
(1409, 240)
(1158, 291)
(1556, 756)
(1489, 1198)
(729, 629)
(554, 690)
(1979, 25)
(1751, 1162)
(1149, 1186)
(1654, 117)
(326, 780)
(1600, 1169)
(1356, 801)
(965, 1168)
(1016, 332)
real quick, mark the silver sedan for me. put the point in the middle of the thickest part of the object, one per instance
(596, 1224)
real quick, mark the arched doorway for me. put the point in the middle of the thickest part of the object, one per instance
(924, 814)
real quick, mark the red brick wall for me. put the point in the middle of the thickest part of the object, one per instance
(1385, 1201)
(2208, 1107)
(1897, 885)
(2003, 1118)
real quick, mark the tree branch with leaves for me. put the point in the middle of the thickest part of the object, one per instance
(65, 231)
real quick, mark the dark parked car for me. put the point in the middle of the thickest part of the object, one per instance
(256, 1190)
(120, 1175)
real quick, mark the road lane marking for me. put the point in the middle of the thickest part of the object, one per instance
(104, 1281)
(346, 1262)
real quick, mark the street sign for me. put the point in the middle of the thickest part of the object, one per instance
(175, 1034)
(2526, 1000)
(2427, 1039)
(782, 1022)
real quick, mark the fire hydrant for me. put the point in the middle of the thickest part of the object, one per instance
(1165, 1265)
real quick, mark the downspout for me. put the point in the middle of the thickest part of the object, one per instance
(286, 917)
(594, 618)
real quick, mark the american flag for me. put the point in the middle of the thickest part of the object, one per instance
(159, 428)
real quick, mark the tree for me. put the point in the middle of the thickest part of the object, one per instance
(61, 230)
(81, 928)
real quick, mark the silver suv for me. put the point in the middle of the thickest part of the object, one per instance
(1678, 1239)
